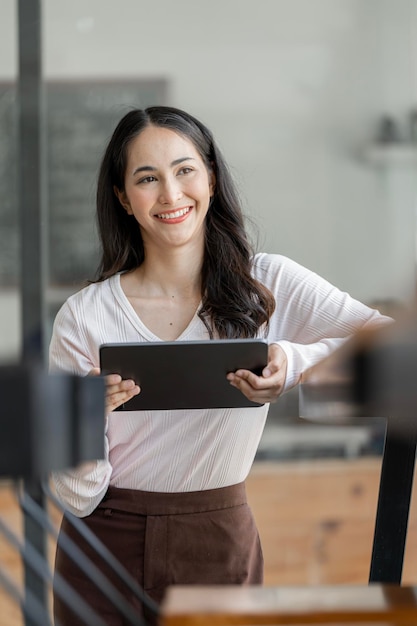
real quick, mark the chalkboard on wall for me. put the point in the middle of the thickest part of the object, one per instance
(79, 120)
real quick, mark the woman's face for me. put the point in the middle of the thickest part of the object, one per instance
(167, 188)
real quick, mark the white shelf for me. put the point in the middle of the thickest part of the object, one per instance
(391, 154)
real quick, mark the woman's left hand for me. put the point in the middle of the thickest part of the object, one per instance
(267, 387)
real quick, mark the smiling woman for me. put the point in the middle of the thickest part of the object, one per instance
(131, 201)
(169, 498)
(175, 188)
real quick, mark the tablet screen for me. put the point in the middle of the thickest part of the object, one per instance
(184, 374)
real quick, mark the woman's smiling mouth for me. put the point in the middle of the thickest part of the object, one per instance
(172, 215)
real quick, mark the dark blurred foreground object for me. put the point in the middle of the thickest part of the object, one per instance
(48, 422)
(374, 375)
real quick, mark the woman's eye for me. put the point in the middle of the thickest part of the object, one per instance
(147, 179)
(185, 170)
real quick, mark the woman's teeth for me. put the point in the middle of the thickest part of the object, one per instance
(172, 215)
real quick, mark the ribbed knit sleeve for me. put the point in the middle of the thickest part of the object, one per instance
(312, 316)
(80, 489)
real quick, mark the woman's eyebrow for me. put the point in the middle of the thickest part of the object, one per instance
(181, 160)
(151, 168)
(144, 168)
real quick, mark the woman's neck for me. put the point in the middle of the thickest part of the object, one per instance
(173, 274)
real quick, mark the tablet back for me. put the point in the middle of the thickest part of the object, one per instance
(184, 374)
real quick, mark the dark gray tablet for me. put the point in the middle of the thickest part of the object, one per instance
(184, 374)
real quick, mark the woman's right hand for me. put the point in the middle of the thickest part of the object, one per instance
(118, 390)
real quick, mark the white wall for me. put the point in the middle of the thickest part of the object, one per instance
(293, 90)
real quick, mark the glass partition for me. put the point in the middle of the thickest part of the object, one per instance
(300, 95)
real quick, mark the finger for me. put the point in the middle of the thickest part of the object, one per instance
(257, 382)
(257, 388)
(269, 394)
(114, 400)
(114, 384)
(112, 380)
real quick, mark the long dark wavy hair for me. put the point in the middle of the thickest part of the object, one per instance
(234, 304)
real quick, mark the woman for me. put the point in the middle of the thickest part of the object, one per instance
(169, 498)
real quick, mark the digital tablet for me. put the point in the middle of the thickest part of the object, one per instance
(184, 374)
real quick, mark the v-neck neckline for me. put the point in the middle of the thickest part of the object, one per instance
(133, 316)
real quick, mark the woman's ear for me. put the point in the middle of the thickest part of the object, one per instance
(122, 197)
(212, 182)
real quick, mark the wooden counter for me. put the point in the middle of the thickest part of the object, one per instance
(220, 606)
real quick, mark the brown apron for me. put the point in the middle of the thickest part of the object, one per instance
(197, 538)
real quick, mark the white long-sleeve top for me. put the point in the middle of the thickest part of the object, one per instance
(192, 450)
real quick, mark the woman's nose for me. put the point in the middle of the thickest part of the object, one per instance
(171, 192)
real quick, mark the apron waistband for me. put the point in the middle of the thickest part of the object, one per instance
(159, 503)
